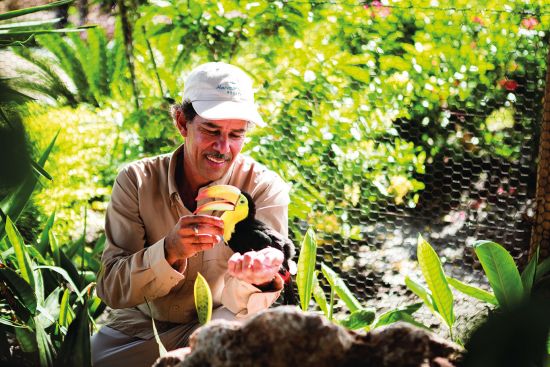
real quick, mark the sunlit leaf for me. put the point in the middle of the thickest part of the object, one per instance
(203, 299)
(319, 294)
(435, 279)
(306, 268)
(23, 260)
(501, 270)
(472, 291)
(421, 292)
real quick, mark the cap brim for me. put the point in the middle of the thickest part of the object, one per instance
(216, 110)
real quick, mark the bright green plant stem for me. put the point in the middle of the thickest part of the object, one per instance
(341, 289)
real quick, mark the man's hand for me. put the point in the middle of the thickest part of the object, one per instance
(256, 267)
(192, 234)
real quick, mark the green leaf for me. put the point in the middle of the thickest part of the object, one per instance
(203, 299)
(357, 73)
(20, 288)
(319, 294)
(472, 291)
(21, 12)
(14, 203)
(54, 246)
(51, 308)
(421, 292)
(399, 314)
(23, 261)
(75, 350)
(43, 244)
(70, 268)
(501, 270)
(162, 348)
(44, 344)
(27, 339)
(65, 316)
(436, 281)
(528, 275)
(65, 275)
(341, 288)
(358, 319)
(542, 269)
(11, 323)
(306, 268)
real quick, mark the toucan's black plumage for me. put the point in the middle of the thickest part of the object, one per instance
(253, 235)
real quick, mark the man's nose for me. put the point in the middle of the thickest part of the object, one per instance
(222, 144)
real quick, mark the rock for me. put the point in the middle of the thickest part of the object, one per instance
(285, 336)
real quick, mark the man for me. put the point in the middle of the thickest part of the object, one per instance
(156, 246)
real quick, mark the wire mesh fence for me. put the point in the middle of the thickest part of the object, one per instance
(470, 158)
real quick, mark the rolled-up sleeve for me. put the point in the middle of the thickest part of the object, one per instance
(244, 299)
(131, 272)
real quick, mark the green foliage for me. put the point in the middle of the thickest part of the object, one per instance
(32, 284)
(92, 69)
(89, 149)
(359, 316)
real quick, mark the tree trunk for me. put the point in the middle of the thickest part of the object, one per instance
(540, 236)
(129, 47)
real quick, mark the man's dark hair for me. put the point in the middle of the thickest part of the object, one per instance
(186, 108)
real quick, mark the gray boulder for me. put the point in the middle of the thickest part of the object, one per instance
(285, 336)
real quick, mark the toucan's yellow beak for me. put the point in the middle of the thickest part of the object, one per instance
(227, 193)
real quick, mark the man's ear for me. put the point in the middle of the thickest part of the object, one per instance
(181, 123)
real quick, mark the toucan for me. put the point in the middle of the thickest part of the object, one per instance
(243, 232)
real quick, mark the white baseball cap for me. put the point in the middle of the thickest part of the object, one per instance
(221, 91)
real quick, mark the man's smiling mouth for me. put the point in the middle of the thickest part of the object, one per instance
(214, 159)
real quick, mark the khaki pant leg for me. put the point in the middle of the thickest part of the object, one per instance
(110, 347)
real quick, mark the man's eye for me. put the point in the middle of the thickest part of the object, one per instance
(210, 132)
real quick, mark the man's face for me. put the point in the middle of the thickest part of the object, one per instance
(211, 147)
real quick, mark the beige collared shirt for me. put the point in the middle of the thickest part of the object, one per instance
(144, 206)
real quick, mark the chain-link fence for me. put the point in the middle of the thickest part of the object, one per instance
(469, 143)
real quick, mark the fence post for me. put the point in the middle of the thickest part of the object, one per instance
(540, 235)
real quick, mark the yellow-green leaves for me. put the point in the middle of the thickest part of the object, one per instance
(306, 268)
(473, 291)
(435, 279)
(23, 259)
(203, 299)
